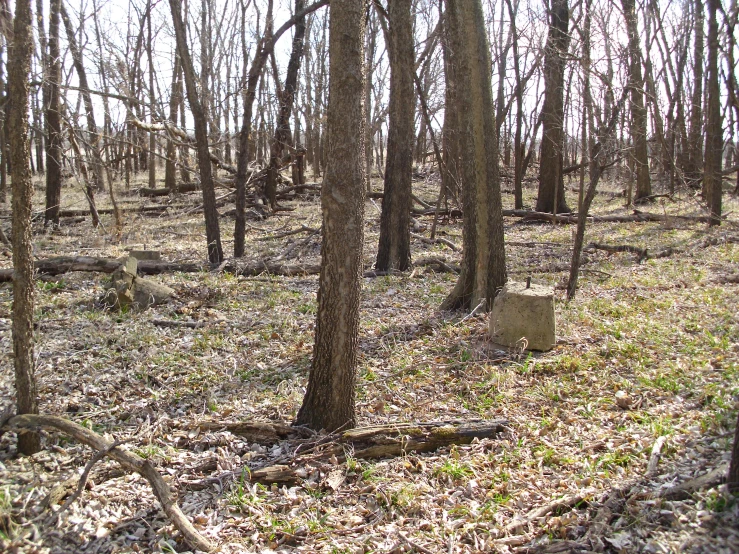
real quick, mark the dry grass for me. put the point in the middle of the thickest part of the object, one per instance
(665, 331)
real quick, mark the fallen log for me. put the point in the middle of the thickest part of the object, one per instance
(381, 441)
(65, 264)
(182, 187)
(129, 461)
(254, 268)
(647, 254)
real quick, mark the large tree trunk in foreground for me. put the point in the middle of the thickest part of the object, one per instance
(551, 180)
(394, 249)
(23, 282)
(212, 228)
(329, 400)
(483, 263)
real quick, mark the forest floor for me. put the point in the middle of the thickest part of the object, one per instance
(570, 475)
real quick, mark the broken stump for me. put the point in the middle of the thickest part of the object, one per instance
(129, 291)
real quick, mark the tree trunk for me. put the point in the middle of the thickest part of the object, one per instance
(638, 122)
(23, 282)
(394, 249)
(170, 167)
(483, 263)
(287, 98)
(695, 131)
(551, 197)
(53, 121)
(94, 138)
(212, 228)
(712, 178)
(450, 177)
(329, 401)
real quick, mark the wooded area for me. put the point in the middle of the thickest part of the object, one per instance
(249, 248)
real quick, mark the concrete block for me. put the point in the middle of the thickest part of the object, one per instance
(154, 255)
(524, 313)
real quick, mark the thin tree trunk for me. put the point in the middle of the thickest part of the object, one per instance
(394, 248)
(53, 121)
(212, 228)
(23, 282)
(712, 178)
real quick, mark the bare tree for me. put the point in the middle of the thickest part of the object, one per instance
(638, 123)
(23, 281)
(329, 400)
(712, 178)
(212, 228)
(551, 180)
(394, 248)
(53, 120)
(483, 263)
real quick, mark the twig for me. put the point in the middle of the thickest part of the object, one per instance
(99, 455)
(473, 312)
(173, 323)
(436, 240)
(655, 456)
(129, 461)
(303, 228)
(415, 545)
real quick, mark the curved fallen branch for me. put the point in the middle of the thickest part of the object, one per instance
(128, 460)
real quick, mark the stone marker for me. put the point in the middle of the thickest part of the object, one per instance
(154, 255)
(523, 315)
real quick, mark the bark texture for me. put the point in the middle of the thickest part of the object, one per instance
(23, 283)
(638, 123)
(483, 264)
(329, 400)
(551, 197)
(712, 178)
(394, 250)
(53, 121)
(212, 228)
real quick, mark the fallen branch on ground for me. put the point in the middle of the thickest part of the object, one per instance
(128, 460)
(643, 254)
(436, 240)
(381, 441)
(65, 264)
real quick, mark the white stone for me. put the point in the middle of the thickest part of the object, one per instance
(523, 317)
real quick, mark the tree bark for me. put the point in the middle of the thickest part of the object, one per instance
(287, 99)
(23, 283)
(712, 177)
(638, 122)
(329, 401)
(695, 132)
(53, 121)
(483, 263)
(551, 197)
(212, 228)
(394, 249)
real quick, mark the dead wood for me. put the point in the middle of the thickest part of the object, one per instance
(128, 460)
(65, 264)
(684, 490)
(262, 432)
(301, 229)
(655, 456)
(438, 265)
(258, 267)
(182, 187)
(646, 254)
(382, 441)
(436, 240)
(564, 503)
(177, 324)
